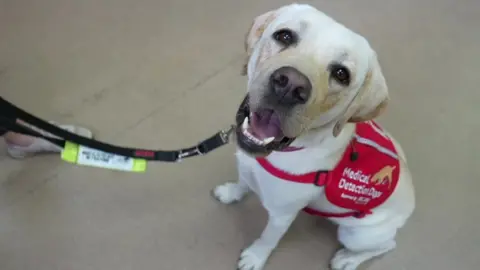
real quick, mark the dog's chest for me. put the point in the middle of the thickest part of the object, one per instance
(275, 192)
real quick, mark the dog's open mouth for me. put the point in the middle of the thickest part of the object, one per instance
(259, 132)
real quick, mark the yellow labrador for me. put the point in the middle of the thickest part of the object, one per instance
(306, 139)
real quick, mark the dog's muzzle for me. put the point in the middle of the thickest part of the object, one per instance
(259, 133)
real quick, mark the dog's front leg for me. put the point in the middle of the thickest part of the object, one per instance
(255, 256)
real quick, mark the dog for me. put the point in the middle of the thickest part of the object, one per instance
(307, 139)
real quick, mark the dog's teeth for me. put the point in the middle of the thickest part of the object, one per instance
(268, 140)
(245, 123)
(250, 136)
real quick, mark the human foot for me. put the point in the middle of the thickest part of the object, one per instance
(20, 146)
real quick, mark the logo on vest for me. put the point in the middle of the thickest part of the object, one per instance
(383, 176)
(360, 187)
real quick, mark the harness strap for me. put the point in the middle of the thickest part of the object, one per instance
(337, 215)
(9, 114)
(319, 178)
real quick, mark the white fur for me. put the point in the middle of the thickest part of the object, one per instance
(362, 239)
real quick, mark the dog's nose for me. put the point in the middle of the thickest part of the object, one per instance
(290, 86)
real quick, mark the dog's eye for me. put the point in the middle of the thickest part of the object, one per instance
(340, 74)
(285, 37)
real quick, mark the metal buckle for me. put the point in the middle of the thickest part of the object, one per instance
(225, 134)
(185, 154)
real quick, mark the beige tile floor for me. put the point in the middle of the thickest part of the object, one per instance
(165, 73)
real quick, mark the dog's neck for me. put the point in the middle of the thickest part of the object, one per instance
(315, 150)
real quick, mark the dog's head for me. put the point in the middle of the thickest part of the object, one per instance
(305, 71)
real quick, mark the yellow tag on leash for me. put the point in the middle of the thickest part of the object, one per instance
(82, 155)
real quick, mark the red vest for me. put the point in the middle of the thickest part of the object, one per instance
(364, 178)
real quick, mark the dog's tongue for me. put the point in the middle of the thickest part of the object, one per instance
(265, 124)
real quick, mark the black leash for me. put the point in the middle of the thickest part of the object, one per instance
(9, 114)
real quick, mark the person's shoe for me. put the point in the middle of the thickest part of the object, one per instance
(40, 145)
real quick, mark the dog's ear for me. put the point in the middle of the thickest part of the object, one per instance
(371, 100)
(255, 32)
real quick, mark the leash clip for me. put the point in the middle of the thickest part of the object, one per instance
(225, 134)
(219, 139)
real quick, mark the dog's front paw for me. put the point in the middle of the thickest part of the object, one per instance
(229, 192)
(254, 257)
(346, 260)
